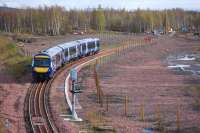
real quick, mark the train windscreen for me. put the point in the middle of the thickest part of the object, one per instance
(41, 62)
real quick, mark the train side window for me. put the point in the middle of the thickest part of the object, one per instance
(54, 61)
(72, 50)
(91, 45)
(66, 53)
(79, 48)
(57, 56)
(98, 43)
(83, 47)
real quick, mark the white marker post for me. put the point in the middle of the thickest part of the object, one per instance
(73, 77)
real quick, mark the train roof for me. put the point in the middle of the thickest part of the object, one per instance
(87, 40)
(52, 51)
(68, 44)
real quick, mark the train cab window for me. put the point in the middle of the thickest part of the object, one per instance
(83, 47)
(91, 45)
(72, 50)
(41, 62)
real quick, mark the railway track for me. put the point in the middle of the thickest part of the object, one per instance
(37, 113)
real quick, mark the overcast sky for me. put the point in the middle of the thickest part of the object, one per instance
(127, 4)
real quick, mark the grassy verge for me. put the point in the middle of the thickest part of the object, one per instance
(97, 124)
(2, 128)
(194, 91)
(13, 62)
(109, 46)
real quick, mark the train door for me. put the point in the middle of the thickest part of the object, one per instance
(72, 51)
(66, 55)
(78, 51)
(84, 48)
(62, 57)
(58, 60)
(53, 63)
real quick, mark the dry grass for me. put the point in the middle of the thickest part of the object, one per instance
(195, 90)
(2, 128)
(11, 58)
(97, 123)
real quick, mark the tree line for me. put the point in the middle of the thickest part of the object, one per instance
(55, 20)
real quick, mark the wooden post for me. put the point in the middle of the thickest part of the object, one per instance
(123, 49)
(107, 103)
(97, 83)
(158, 113)
(101, 96)
(125, 105)
(178, 118)
(98, 87)
(100, 61)
(142, 112)
(158, 116)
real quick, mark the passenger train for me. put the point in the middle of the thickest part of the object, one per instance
(45, 64)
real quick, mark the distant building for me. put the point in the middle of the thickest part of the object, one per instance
(184, 29)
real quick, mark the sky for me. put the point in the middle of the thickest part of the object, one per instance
(117, 4)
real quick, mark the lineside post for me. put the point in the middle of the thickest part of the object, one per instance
(97, 83)
(125, 105)
(178, 119)
(107, 103)
(142, 111)
(158, 116)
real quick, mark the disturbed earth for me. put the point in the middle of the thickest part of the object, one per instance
(13, 92)
(139, 81)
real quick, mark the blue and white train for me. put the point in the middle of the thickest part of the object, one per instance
(45, 64)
